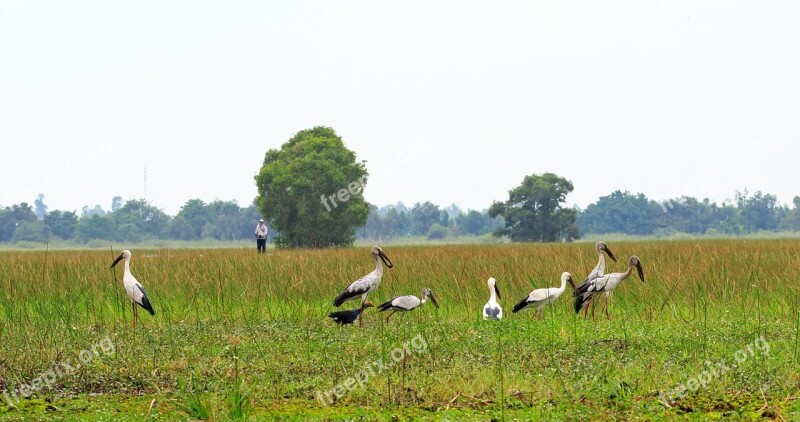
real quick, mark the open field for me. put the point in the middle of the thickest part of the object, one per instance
(240, 334)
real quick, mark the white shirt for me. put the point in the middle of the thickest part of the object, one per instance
(261, 231)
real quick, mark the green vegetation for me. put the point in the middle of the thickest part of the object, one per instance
(238, 335)
(135, 221)
(619, 215)
(311, 191)
(622, 212)
(535, 212)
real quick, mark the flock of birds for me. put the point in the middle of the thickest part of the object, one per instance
(585, 295)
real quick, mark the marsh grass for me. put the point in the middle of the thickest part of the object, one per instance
(192, 399)
(703, 301)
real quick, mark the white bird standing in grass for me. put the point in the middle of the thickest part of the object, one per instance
(600, 269)
(492, 309)
(367, 284)
(133, 288)
(407, 303)
(539, 298)
(606, 283)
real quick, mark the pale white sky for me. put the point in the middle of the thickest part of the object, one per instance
(451, 101)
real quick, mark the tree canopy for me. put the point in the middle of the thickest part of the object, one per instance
(534, 211)
(311, 190)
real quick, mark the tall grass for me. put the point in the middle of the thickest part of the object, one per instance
(702, 301)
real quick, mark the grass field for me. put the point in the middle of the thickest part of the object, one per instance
(713, 333)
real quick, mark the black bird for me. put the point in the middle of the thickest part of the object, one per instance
(349, 316)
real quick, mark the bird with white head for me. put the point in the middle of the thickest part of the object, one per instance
(133, 288)
(492, 309)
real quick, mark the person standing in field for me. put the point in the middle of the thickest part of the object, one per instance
(261, 236)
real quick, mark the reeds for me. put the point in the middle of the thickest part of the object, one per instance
(702, 301)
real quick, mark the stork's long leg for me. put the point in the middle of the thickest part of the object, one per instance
(133, 305)
(387, 318)
(361, 315)
(608, 305)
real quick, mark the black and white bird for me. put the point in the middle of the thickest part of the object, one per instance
(492, 309)
(407, 303)
(367, 284)
(539, 298)
(349, 316)
(607, 283)
(600, 269)
(133, 287)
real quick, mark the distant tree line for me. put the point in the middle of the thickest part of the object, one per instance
(635, 214)
(132, 221)
(620, 212)
(425, 219)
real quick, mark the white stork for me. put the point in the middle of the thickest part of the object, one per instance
(407, 303)
(600, 269)
(539, 298)
(133, 287)
(367, 284)
(606, 283)
(492, 309)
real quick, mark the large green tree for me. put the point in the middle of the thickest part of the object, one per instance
(311, 190)
(534, 211)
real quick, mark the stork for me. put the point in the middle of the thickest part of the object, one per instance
(347, 317)
(539, 298)
(133, 287)
(606, 283)
(367, 284)
(492, 309)
(600, 269)
(407, 303)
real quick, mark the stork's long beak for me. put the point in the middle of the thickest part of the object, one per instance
(639, 269)
(610, 255)
(119, 258)
(385, 259)
(433, 299)
(496, 290)
(572, 283)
